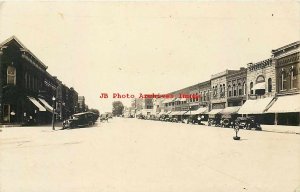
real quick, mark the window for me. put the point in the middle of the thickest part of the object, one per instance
(251, 88)
(283, 80)
(293, 77)
(25, 78)
(240, 89)
(204, 96)
(234, 90)
(269, 85)
(229, 91)
(11, 75)
(245, 88)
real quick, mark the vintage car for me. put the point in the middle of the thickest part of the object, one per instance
(195, 119)
(81, 120)
(247, 123)
(214, 120)
(228, 121)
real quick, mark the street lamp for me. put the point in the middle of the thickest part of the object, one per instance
(53, 102)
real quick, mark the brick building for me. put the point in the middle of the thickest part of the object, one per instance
(28, 93)
(237, 87)
(286, 106)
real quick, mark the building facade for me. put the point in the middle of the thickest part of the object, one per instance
(261, 79)
(237, 88)
(218, 96)
(28, 93)
(287, 65)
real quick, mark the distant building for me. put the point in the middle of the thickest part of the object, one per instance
(237, 87)
(218, 97)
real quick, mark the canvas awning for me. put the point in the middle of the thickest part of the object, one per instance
(285, 104)
(199, 111)
(182, 112)
(257, 106)
(261, 85)
(230, 110)
(214, 111)
(168, 112)
(47, 106)
(37, 104)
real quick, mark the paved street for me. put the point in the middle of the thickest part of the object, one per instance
(147, 156)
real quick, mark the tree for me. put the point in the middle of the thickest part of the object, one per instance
(118, 108)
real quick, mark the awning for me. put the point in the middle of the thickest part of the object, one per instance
(47, 106)
(214, 111)
(230, 110)
(286, 104)
(257, 106)
(198, 111)
(177, 99)
(182, 112)
(261, 85)
(172, 113)
(36, 103)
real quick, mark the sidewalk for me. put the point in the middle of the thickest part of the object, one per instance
(281, 129)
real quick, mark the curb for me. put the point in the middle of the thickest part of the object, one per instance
(285, 132)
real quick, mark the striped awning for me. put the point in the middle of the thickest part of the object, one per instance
(36, 103)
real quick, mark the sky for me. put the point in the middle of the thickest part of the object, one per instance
(147, 47)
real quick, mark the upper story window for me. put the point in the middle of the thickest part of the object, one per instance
(229, 91)
(234, 90)
(11, 75)
(269, 85)
(251, 88)
(293, 77)
(203, 96)
(240, 89)
(283, 80)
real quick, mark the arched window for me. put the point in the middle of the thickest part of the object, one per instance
(229, 91)
(269, 85)
(240, 89)
(293, 77)
(260, 79)
(234, 90)
(11, 75)
(251, 88)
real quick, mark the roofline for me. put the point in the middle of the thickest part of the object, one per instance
(23, 47)
(285, 47)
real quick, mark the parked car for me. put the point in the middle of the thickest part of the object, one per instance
(81, 120)
(214, 120)
(247, 123)
(228, 121)
(195, 119)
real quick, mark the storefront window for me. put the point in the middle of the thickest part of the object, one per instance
(251, 88)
